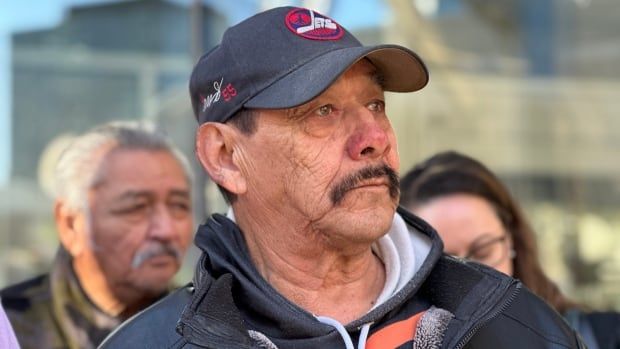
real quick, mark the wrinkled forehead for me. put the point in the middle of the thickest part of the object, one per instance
(117, 166)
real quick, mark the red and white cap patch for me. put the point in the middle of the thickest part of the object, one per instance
(313, 25)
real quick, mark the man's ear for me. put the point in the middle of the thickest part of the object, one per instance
(215, 144)
(71, 226)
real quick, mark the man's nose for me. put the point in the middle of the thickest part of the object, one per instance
(370, 139)
(162, 224)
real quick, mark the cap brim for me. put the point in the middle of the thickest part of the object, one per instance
(402, 70)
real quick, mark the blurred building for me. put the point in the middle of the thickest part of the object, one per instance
(103, 62)
(529, 87)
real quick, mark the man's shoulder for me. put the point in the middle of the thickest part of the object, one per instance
(526, 321)
(453, 282)
(486, 302)
(26, 294)
(153, 327)
(599, 326)
(28, 306)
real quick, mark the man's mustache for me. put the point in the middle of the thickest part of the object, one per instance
(155, 249)
(353, 180)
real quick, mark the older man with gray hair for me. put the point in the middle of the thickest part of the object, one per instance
(123, 214)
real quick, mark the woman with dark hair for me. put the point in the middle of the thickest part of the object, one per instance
(478, 219)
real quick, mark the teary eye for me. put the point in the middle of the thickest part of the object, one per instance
(376, 106)
(325, 110)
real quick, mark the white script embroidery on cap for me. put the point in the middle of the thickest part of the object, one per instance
(228, 93)
(317, 23)
(214, 97)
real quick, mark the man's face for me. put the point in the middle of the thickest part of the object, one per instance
(140, 220)
(330, 164)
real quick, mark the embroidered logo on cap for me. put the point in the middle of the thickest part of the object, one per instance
(228, 93)
(313, 25)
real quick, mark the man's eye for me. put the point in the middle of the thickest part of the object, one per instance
(180, 205)
(376, 106)
(132, 210)
(325, 110)
(179, 208)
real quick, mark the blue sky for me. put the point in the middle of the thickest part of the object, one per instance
(18, 15)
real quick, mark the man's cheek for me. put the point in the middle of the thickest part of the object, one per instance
(393, 159)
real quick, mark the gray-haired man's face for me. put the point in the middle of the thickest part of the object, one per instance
(140, 220)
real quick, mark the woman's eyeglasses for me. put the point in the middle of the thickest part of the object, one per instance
(491, 251)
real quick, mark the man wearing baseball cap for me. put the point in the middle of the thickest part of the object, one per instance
(314, 251)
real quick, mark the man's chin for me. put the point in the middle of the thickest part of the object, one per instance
(368, 198)
(147, 287)
(360, 222)
(156, 285)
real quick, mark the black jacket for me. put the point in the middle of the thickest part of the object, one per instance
(229, 305)
(52, 310)
(598, 329)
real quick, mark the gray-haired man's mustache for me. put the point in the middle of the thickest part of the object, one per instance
(155, 249)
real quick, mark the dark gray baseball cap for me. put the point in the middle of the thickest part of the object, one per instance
(285, 57)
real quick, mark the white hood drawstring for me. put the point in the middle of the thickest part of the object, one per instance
(340, 328)
(361, 343)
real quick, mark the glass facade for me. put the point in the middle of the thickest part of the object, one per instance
(530, 87)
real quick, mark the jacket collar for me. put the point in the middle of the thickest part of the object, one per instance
(80, 321)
